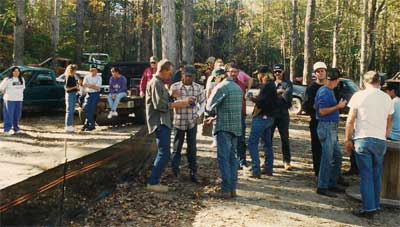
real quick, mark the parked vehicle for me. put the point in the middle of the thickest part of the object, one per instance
(345, 90)
(130, 106)
(42, 92)
(61, 64)
(99, 60)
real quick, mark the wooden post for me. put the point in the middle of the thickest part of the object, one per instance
(391, 172)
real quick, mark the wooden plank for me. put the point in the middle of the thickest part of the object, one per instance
(36, 201)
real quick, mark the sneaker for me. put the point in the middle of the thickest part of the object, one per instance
(114, 113)
(7, 133)
(337, 190)
(157, 188)
(326, 192)
(110, 115)
(287, 166)
(17, 132)
(69, 129)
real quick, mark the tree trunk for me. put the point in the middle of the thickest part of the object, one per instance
(293, 46)
(55, 28)
(168, 31)
(335, 34)
(363, 57)
(283, 35)
(154, 29)
(19, 30)
(308, 39)
(146, 33)
(80, 13)
(187, 37)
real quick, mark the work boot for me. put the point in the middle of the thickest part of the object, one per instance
(221, 195)
(363, 214)
(341, 181)
(326, 192)
(337, 189)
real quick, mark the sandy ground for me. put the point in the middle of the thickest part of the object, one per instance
(286, 199)
(41, 146)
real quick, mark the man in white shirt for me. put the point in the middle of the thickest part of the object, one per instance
(92, 84)
(368, 125)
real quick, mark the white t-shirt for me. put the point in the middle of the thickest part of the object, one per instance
(92, 80)
(373, 108)
(13, 89)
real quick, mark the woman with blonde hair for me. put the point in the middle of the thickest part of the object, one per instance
(71, 88)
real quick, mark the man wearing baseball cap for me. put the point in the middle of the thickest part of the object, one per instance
(284, 89)
(185, 120)
(327, 113)
(308, 106)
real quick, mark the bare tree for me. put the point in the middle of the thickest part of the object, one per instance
(19, 30)
(55, 27)
(363, 56)
(80, 13)
(308, 37)
(168, 31)
(187, 26)
(335, 33)
(294, 40)
(154, 29)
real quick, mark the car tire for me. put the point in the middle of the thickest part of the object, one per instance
(140, 116)
(296, 107)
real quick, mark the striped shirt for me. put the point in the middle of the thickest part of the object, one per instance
(186, 118)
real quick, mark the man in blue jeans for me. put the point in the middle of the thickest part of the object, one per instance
(158, 117)
(226, 101)
(185, 120)
(263, 119)
(327, 113)
(368, 125)
(92, 84)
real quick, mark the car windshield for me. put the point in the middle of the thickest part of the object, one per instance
(351, 85)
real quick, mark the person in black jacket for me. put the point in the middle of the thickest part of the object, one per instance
(284, 89)
(263, 119)
(308, 106)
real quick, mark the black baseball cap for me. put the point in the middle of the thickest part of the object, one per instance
(189, 70)
(262, 69)
(277, 67)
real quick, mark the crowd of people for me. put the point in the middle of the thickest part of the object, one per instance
(179, 104)
(179, 107)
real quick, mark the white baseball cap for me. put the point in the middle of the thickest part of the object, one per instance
(319, 65)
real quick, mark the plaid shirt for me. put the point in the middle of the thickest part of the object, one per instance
(226, 99)
(186, 118)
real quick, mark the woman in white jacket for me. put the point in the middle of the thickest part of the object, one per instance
(13, 88)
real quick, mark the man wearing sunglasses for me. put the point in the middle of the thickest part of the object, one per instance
(284, 90)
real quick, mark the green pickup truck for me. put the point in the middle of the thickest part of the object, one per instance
(42, 91)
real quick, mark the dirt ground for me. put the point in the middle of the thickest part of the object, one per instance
(41, 146)
(286, 199)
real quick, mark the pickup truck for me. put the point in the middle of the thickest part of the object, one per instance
(42, 92)
(130, 107)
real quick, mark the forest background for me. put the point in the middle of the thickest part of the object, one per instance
(353, 35)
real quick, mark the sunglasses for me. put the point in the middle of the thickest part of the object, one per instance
(278, 71)
(153, 62)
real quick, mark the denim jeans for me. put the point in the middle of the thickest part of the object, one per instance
(190, 151)
(281, 121)
(90, 106)
(331, 158)
(69, 108)
(163, 140)
(11, 115)
(227, 161)
(113, 103)
(241, 149)
(261, 127)
(369, 156)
